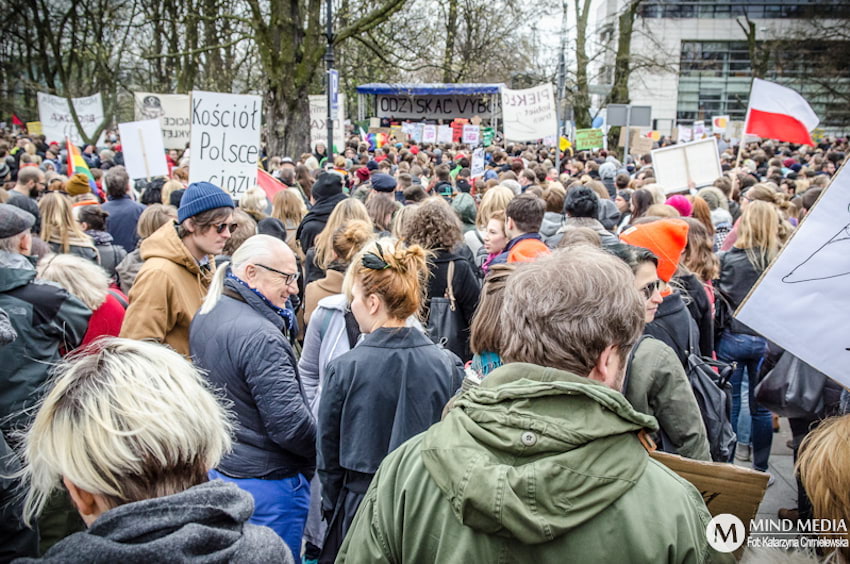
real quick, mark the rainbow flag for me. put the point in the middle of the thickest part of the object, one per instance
(375, 140)
(76, 164)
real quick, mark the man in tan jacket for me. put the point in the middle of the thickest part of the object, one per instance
(178, 268)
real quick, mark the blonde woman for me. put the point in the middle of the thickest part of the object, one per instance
(496, 199)
(254, 203)
(61, 231)
(170, 187)
(320, 257)
(288, 206)
(144, 494)
(90, 283)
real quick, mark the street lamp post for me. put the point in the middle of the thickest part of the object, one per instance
(329, 61)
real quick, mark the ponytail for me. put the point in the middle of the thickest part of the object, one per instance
(216, 287)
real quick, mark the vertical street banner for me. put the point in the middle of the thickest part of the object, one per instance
(172, 111)
(57, 122)
(143, 149)
(319, 122)
(225, 140)
(801, 301)
(529, 115)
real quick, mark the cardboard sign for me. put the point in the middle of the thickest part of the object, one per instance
(444, 134)
(143, 148)
(172, 111)
(319, 122)
(57, 123)
(225, 140)
(530, 114)
(34, 127)
(634, 133)
(588, 139)
(477, 165)
(471, 135)
(640, 146)
(801, 301)
(678, 166)
(725, 488)
(734, 130)
(429, 134)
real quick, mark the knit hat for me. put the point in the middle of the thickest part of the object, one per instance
(666, 238)
(607, 170)
(78, 184)
(4, 171)
(200, 197)
(372, 165)
(463, 185)
(682, 205)
(362, 173)
(14, 220)
(272, 226)
(328, 184)
(383, 182)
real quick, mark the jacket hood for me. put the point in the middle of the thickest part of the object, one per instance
(208, 526)
(164, 243)
(551, 224)
(338, 302)
(100, 237)
(535, 452)
(672, 304)
(15, 271)
(464, 206)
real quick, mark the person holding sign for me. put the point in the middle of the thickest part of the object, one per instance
(178, 268)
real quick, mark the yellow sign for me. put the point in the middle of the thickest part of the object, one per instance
(34, 127)
(564, 144)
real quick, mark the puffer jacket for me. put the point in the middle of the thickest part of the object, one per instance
(737, 277)
(552, 221)
(168, 290)
(671, 326)
(47, 321)
(535, 465)
(241, 345)
(206, 523)
(657, 385)
(110, 254)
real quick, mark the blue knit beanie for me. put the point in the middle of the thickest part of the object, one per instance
(200, 197)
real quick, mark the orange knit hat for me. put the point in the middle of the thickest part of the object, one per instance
(666, 238)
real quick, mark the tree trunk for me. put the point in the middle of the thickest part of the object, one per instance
(581, 99)
(451, 34)
(622, 63)
(288, 121)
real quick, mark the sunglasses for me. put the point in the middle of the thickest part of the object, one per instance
(222, 226)
(651, 288)
(287, 277)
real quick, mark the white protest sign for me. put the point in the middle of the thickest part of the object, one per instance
(699, 130)
(477, 166)
(57, 123)
(319, 122)
(444, 134)
(143, 148)
(418, 130)
(225, 140)
(685, 134)
(528, 115)
(407, 128)
(679, 165)
(471, 134)
(172, 111)
(801, 302)
(429, 134)
(719, 124)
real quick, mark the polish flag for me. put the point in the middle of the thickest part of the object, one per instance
(777, 112)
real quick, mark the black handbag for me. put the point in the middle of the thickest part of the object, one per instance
(445, 325)
(792, 388)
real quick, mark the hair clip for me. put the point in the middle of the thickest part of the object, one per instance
(375, 261)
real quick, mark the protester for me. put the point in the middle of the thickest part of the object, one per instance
(178, 268)
(359, 424)
(92, 221)
(144, 494)
(495, 200)
(61, 231)
(274, 451)
(254, 203)
(740, 268)
(486, 327)
(154, 217)
(581, 209)
(437, 229)
(462, 489)
(27, 189)
(245, 227)
(288, 207)
(321, 255)
(326, 194)
(523, 217)
(642, 199)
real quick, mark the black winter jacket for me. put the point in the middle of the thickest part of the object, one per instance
(242, 346)
(315, 221)
(737, 277)
(671, 325)
(465, 284)
(700, 309)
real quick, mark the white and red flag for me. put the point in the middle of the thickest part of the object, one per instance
(778, 112)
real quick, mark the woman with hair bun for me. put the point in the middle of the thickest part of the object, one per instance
(392, 386)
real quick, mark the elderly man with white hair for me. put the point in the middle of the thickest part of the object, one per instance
(240, 338)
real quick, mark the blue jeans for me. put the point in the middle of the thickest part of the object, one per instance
(743, 425)
(281, 505)
(749, 352)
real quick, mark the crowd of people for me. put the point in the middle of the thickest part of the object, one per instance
(386, 359)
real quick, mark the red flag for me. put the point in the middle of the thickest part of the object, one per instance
(17, 121)
(269, 183)
(777, 112)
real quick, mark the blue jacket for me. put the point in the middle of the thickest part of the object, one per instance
(123, 216)
(242, 346)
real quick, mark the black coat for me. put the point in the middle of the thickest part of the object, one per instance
(737, 277)
(242, 346)
(390, 387)
(671, 325)
(700, 309)
(315, 220)
(465, 284)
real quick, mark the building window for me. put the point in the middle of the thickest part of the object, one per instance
(755, 10)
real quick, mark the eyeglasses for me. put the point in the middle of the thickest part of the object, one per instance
(287, 278)
(651, 288)
(222, 226)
